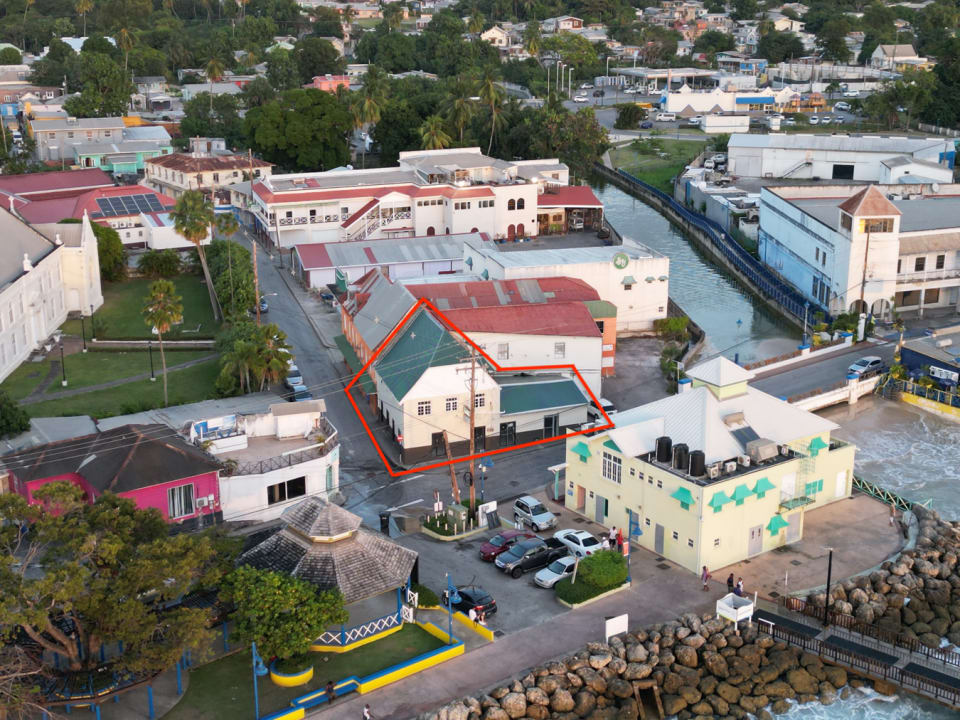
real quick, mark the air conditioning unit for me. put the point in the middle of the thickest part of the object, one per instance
(202, 502)
(730, 467)
(713, 471)
(744, 460)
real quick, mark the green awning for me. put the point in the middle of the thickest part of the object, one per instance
(776, 524)
(762, 486)
(741, 493)
(612, 445)
(582, 450)
(718, 500)
(628, 280)
(683, 495)
(485, 274)
(353, 362)
(816, 445)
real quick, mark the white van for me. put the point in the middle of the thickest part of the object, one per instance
(666, 117)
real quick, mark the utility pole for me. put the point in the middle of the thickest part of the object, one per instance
(863, 283)
(473, 417)
(455, 489)
(256, 278)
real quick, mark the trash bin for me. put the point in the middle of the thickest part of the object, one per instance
(385, 522)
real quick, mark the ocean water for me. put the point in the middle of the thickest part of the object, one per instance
(865, 704)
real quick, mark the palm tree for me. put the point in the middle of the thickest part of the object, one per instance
(366, 111)
(242, 360)
(192, 217)
(476, 23)
(458, 105)
(226, 223)
(83, 7)
(393, 15)
(532, 39)
(274, 353)
(162, 310)
(214, 70)
(492, 95)
(125, 43)
(433, 134)
(26, 6)
(348, 14)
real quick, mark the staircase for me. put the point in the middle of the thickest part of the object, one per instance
(796, 167)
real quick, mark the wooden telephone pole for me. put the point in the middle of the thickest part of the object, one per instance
(256, 278)
(454, 488)
(473, 417)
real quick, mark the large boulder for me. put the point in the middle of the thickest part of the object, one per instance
(637, 653)
(672, 704)
(495, 713)
(690, 694)
(550, 683)
(695, 641)
(716, 665)
(515, 704)
(687, 655)
(636, 671)
(600, 660)
(720, 706)
(561, 701)
(802, 682)
(619, 688)
(585, 703)
(728, 692)
(536, 696)
(779, 690)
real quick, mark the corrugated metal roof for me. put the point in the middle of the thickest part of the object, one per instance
(565, 319)
(847, 143)
(422, 344)
(528, 397)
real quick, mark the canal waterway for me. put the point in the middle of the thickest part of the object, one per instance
(908, 451)
(737, 324)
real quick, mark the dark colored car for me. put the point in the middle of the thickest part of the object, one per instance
(646, 125)
(530, 555)
(501, 542)
(473, 596)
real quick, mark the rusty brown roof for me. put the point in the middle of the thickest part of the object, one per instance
(185, 162)
(869, 202)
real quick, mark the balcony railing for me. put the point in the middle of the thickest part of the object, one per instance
(258, 467)
(923, 276)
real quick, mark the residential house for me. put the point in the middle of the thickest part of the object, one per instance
(632, 278)
(182, 482)
(423, 396)
(129, 154)
(151, 84)
(735, 62)
(272, 460)
(782, 23)
(328, 83)
(716, 474)
(55, 138)
(496, 36)
(189, 92)
(44, 275)
(431, 192)
(684, 48)
(208, 169)
(562, 23)
(853, 248)
(896, 57)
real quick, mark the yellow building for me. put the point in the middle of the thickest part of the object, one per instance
(715, 474)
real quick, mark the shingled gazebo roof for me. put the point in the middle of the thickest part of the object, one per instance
(324, 544)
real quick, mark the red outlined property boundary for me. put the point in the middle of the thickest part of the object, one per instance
(498, 451)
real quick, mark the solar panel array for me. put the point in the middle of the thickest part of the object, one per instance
(128, 205)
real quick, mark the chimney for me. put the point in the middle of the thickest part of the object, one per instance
(27, 265)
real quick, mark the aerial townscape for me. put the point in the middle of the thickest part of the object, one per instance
(479, 360)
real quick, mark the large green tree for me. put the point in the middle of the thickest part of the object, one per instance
(231, 265)
(301, 130)
(13, 418)
(251, 354)
(213, 116)
(832, 39)
(104, 566)
(779, 46)
(106, 88)
(193, 219)
(315, 56)
(111, 253)
(282, 71)
(281, 613)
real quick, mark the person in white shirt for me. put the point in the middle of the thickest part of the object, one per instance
(473, 615)
(367, 715)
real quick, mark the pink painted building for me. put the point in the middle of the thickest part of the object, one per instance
(330, 83)
(149, 464)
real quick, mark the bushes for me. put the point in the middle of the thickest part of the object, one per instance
(425, 596)
(597, 573)
(159, 264)
(672, 328)
(629, 116)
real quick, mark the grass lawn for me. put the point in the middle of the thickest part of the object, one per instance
(222, 690)
(22, 381)
(650, 167)
(123, 306)
(190, 385)
(98, 367)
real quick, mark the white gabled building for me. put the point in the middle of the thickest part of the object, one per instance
(431, 192)
(272, 460)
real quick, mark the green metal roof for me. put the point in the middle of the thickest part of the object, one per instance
(776, 524)
(718, 500)
(581, 449)
(628, 280)
(353, 362)
(763, 485)
(539, 396)
(816, 445)
(683, 495)
(612, 445)
(741, 492)
(601, 308)
(424, 343)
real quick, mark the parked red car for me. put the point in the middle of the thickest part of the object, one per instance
(502, 542)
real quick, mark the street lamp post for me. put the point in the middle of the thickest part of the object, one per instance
(83, 332)
(453, 597)
(826, 601)
(93, 328)
(150, 352)
(806, 306)
(63, 367)
(259, 670)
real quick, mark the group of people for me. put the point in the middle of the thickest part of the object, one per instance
(613, 540)
(732, 587)
(479, 617)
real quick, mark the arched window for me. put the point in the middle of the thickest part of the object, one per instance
(520, 204)
(511, 205)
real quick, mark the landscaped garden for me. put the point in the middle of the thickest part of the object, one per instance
(596, 574)
(656, 160)
(221, 690)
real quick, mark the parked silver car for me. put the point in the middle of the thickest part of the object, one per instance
(527, 510)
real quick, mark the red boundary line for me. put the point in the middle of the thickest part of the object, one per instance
(447, 322)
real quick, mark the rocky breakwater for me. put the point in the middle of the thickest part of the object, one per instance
(699, 667)
(916, 596)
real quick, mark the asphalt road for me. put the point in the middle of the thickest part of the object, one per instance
(819, 374)
(363, 479)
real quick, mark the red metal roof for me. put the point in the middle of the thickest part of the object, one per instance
(58, 183)
(359, 214)
(574, 196)
(372, 191)
(566, 318)
(54, 210)
(484, 293)
(314, 255)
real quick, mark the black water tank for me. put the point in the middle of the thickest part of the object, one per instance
(664, 450)
(698, 463)
(681, 456)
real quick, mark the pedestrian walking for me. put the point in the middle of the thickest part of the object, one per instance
(893, 515)
(367, 714)
(620, 541)
(331, 692)
(705, 578)
(738, 590)
(730, 583)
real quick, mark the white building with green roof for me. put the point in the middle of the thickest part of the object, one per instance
(423, 390)
(718, 473)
